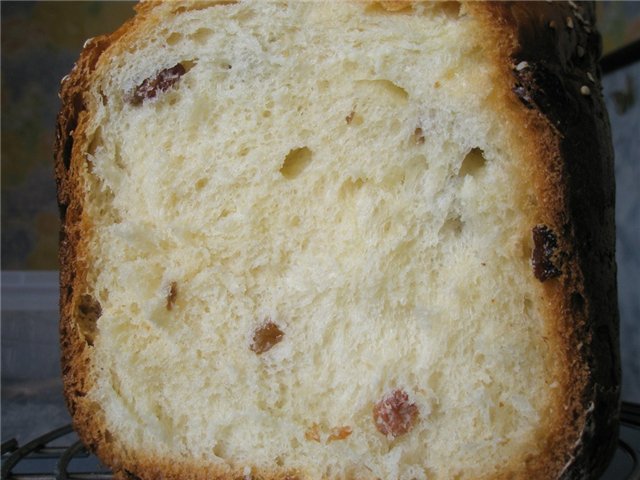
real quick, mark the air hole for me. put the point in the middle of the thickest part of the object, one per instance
(388, 7)
(67, 149)
(452, 226)
(201, 35)
(448, 9)
(96, 142)
(577, 302)
(417, 138)
(295, 162)
(351, 187)
(220, 449)
(88, 312)
(472, 163)
(174, 38)
(193, 6)
(389, 88)
(528, 306)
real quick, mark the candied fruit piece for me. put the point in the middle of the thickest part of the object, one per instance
(339, 433)
(395, 415)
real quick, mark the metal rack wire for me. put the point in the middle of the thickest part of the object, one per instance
(38, 460)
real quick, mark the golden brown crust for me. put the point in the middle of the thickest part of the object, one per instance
(542, 60)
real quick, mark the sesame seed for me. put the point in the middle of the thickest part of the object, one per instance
(521, 66)
(569, 23)
(590, 77)
(587, 29)
(584, 90)
(573, 4)
(552, 24)
(580, 50)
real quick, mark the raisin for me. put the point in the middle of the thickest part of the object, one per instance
(151, 86)
(173, 294)
(339, 433)
(395, 415)
(265, 337)
(545, 244)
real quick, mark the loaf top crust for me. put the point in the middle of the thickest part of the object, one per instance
(545, 56)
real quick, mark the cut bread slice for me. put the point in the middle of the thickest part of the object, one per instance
(343, 240)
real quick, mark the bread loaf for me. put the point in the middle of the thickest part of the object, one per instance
(340, 240)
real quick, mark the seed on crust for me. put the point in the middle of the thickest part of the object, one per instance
(569, 23)
(265, 337)
(545, 244)
(395, 415)
(151, 86)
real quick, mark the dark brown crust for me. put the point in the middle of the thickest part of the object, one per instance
(552, 54)
(566, 135)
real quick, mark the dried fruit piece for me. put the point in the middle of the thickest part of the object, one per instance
(151, 86)
(339, 433)
(313, 433)
(349, 118)
(173, 294)
(395, 415)
(265, 337)
(545, 244)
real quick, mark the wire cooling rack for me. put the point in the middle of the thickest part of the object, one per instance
(60, 455)
(55, 455)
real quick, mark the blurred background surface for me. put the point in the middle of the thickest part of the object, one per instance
(40, 42)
